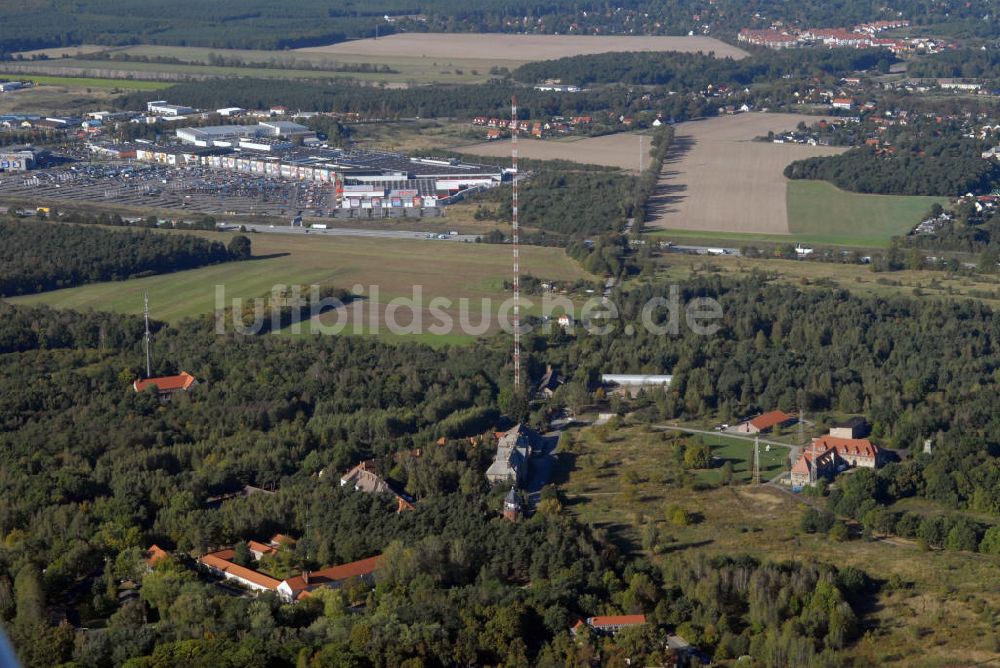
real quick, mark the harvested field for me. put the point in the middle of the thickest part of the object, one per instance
(716, 178)
(497, 46)
(620, 150)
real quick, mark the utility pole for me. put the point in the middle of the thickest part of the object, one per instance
(756, 460)
(145, 312)
(802, 426)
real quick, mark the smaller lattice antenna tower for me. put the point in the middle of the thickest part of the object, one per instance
(516, 243)
(148, 337)
(802, 425)
(756, 460)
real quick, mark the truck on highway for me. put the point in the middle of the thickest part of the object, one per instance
(318, 226)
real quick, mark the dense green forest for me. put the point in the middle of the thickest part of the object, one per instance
(694, 71)
(566, 203)
(864, 170)
(961, 63)
(38, 256)
(258, 24)
(81, 499)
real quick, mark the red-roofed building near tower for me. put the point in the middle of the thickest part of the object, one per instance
(828, 455)
(167, 385)
(764, 423)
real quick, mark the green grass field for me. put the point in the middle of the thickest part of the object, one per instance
(91, 82)
(820, 213)
(446, 269)
(739, 452)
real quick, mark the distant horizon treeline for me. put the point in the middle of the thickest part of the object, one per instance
(256, 24)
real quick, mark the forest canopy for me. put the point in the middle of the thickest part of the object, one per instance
(37, 256)
(949, 173)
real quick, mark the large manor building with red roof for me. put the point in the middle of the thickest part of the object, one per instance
(828, 455)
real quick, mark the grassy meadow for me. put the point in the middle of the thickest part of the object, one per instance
(623, 480)
(819, 212)
(447, 269)
(858, 279)
(93, 82)
(197, 62)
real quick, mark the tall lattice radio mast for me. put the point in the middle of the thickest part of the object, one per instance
(516, 244)
(145, 312)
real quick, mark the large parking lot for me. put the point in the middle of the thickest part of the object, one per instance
(195, 189)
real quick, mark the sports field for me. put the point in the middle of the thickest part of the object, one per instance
(716, 178)
(623, 150)
(499, 46)
(448, 269)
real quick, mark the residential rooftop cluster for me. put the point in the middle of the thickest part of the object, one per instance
(863, 36)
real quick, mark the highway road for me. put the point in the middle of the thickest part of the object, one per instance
(356, 232)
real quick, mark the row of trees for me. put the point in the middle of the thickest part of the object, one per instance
(441, 101)
(695, 71)
(36, 256)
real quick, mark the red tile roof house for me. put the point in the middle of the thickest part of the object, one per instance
(764, 423)
(292, 589)
(154, 555)
(610, 624)
(220, 563)
(828, 454)
(299, 587)
(261, 550)
(167, 385)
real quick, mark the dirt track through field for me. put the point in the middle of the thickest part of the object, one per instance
(498, 46)
(716, 178)
(621, 150)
